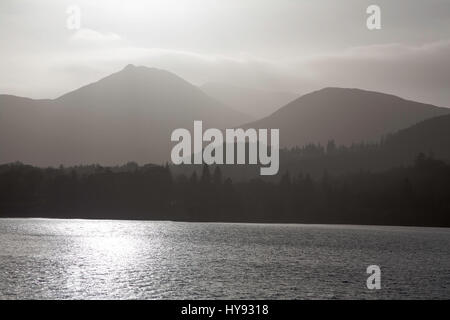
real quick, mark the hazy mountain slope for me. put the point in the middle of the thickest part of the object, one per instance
(345, 115)
(430, 136)
(24, 127)
(128, 115)
(257, 103)
(153, 90)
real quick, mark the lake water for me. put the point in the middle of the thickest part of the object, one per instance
(93, 259)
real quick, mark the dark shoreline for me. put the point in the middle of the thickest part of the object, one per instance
(417, 195)
(227, 222)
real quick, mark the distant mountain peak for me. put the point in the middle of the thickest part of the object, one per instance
(253, 101)
(131, 82)
(134, 69)
(129, 66)
(127, 115)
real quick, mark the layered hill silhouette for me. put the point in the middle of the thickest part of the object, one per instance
(431, 136)
(346, 116)
(257, 103)
(399, 180)
(128, 115)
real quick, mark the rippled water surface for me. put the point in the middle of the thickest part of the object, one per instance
(71, 259)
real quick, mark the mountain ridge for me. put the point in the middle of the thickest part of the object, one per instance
(342, 114)
(128, 114)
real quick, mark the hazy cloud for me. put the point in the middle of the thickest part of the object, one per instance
(281, 45)
(91, 37)
(416, 72)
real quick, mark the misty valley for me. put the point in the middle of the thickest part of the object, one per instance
(380, 160)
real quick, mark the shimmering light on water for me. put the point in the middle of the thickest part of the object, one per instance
(67, 259)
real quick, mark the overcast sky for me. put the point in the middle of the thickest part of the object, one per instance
(291, 45)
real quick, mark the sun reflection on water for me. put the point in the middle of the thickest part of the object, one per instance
(103, 254)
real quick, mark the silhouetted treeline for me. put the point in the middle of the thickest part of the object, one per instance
(313, 159)
(412, 195)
